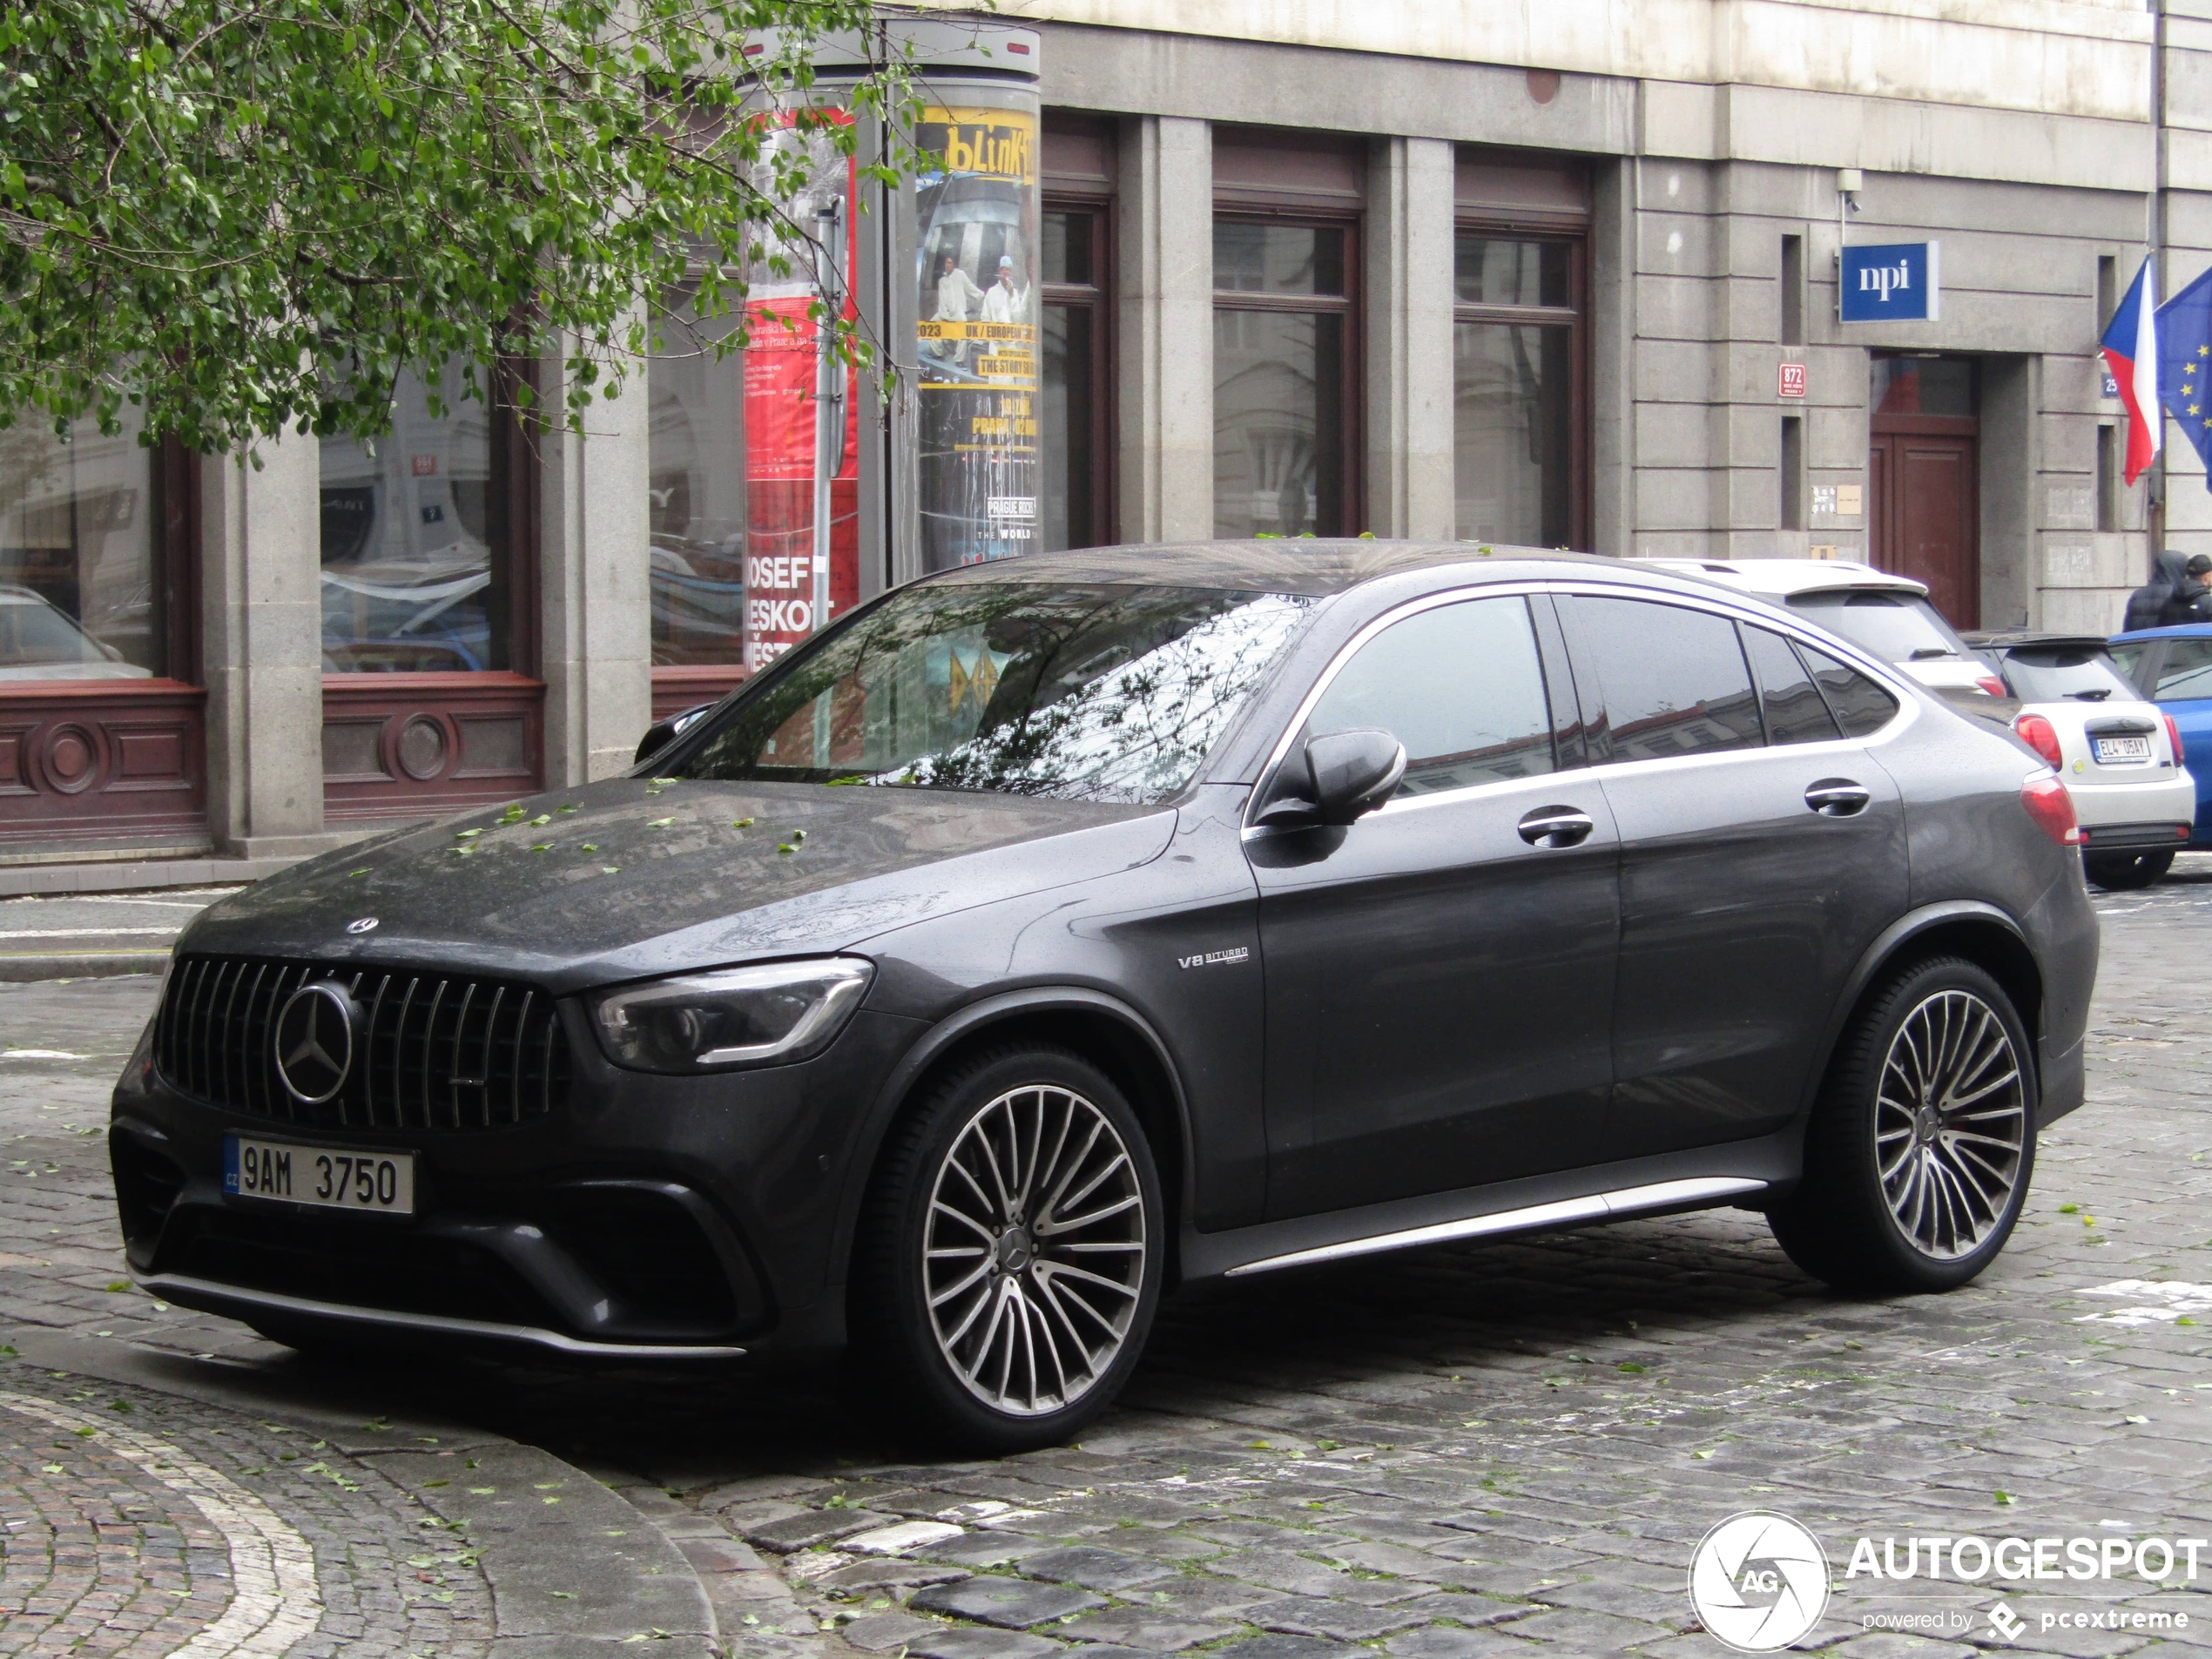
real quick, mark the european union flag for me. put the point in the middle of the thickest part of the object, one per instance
(2185, 364)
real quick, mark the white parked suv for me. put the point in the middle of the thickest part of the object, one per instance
(2119, 756)
(1889, 616)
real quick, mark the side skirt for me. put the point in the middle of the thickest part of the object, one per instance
(1739, 1172)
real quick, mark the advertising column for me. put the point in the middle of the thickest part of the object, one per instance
(977, 214)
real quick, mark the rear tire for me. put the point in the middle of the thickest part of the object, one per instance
(2127, 872)
(1921, 1146)
(1009, 1257)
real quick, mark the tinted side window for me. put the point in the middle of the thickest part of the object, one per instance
(1460, 686)
(1861, 706)
(1795, 710)
(1675, 680)
(2186, 673)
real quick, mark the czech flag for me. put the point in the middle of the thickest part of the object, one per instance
(2130, 346)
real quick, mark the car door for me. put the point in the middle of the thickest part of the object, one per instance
(1762, 850)
(1440, 972)
(2179, 681)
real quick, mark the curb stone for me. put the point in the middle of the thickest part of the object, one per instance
(24, 968)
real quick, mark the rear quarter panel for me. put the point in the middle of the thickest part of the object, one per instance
(1969, 838)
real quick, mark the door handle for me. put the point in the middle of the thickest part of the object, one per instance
(1837, 797)
(1556, 827)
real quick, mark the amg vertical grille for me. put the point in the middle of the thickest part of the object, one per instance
(431, 1051)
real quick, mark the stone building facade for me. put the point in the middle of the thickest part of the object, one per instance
(1562, 275)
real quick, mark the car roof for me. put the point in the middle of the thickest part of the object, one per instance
(1789, 577)
(1298, 565)
(2007, 640)
(2171, 630)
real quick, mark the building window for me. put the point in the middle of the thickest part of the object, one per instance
(1793, 291)
(81, 579)
(1283, 454)
(427, 592)
(100, 721)
(1793, 473)
(698, 501)
(2108, 478)
(1077, 430)
(1516, 356)
(417, 567)
(1076, 493)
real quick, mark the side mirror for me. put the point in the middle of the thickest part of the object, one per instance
(661, 733)
(1336, 778)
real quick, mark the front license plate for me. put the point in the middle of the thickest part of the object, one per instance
(2109, 749)
(318, 1175)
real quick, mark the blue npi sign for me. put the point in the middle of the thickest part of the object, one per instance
(1895, 282)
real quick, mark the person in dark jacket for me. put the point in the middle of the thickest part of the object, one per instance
(2192, 600)
(2146, 605)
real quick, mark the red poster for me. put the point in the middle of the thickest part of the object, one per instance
(779, 456)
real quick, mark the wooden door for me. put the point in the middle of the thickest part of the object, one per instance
(1925, 515)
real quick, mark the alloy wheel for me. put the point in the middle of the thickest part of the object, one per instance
(1034, 1250)
(1950, 1124)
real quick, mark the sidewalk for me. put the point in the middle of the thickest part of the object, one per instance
(309, 1525)
(85, 936)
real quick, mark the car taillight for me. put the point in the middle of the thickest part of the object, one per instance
(2052, 809)
(2173, 737)
(1991, 685)
(2042, 735)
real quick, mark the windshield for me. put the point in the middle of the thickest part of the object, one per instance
(1083, 691)
(2054, 675)
(1895, 627)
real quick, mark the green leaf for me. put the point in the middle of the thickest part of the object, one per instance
(276, 221)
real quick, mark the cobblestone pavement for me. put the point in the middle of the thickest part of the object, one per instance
(1511, 1449)
(135, 1520)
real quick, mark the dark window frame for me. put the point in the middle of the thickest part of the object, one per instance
(1307, 215)
(1575, 315)
(1097, 297)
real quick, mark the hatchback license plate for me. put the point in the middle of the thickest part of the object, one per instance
(383, 1181)
(2122, 749)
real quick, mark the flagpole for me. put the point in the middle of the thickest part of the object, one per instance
(2154, 245)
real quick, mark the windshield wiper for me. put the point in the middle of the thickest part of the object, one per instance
(1922, 653)
(2097, 696)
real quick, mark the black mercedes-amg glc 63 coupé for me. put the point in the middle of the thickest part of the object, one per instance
(1046, 935)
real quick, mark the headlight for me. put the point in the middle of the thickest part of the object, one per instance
(734, 1016)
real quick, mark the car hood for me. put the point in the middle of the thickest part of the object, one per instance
(629, 878)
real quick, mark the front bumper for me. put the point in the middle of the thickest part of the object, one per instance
(647, 1219)
(270, 1311)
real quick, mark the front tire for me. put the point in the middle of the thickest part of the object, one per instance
(1920, 1149)
(2127, 872)
(1009, 1259)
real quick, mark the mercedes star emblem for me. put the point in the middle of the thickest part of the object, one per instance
(314, 1041)
(366, 924)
